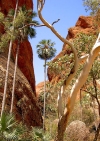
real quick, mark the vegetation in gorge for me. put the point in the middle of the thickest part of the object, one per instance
(79, 63)
(45, 51)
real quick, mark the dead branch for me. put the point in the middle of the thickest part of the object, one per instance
(36, 25)
(55, 21)
(31, 24)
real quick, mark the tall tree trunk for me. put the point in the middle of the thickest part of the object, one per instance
(81, 79)
(8, 62)
(14, 79)
(44, 95)
(76, 87)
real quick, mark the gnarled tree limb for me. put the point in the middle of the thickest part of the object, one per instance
(81, 79)
(40, 7)
(76, 87)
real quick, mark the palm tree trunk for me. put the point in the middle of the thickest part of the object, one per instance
(44, 94)
(8, 62)
(16, 63)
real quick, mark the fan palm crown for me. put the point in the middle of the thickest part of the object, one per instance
(45, 49)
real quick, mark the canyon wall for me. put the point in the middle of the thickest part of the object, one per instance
(26, 107)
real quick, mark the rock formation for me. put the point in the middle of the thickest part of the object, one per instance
(26, 108)
(26, 65)
(39, 88)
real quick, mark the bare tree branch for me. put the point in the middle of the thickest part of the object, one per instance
(31, 24)
(55, 21)
(35, 25)
(89, 93)
(62, 39)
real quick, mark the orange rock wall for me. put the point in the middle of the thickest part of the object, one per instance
(26, 107)
(25, 62)
(11, 4)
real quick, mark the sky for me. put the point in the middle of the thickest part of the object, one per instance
(68, 11)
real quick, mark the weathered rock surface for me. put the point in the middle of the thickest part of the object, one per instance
(39, 88)
(26, 108)
(25, 62)
(6, 6)
(83, 25)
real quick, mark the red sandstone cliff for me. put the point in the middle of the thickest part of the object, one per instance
(25, 65)
(26, 107)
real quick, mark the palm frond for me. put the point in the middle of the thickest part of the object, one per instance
(7, 121)
(45, 49)
(43, 42)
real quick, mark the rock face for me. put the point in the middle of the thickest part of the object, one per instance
(6, 6)
(26, 108)
(39, 88)
(83, 25)
(25, 62)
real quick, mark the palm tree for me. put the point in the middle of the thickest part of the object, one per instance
(8, 62)
(12, 130)
(24, 22)
(7, 122)
(23, 34)
(45, 51)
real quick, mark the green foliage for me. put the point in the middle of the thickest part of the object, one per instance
(93, 5)
(84, 43)
(96, 68)
(91, 83)
(17, 30)
(25, 17)
(88, 116)
(1, 17)
(14, 131)
(45, 49)
(40, 135)
(60, 64)
(7, 123)
(11, 130)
